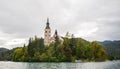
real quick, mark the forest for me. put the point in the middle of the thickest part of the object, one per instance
(68, 50)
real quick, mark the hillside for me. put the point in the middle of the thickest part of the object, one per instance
(6, 54)
(112, 48)
(3, 50)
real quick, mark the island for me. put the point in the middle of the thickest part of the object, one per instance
(57, 49)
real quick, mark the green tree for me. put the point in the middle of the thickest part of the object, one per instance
(41, 46)
(24, 53)
(36, 57)
(80, 49)
(72, 45)
(67, 50)
(17, 55)
(30, 48)
(44, 57)
(99, 52)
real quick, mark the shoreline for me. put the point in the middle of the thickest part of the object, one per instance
(64, 62)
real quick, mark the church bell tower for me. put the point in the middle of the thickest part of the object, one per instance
(47, 34)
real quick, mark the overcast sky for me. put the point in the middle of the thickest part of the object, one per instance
(88, 19)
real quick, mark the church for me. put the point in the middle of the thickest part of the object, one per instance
(47, 35)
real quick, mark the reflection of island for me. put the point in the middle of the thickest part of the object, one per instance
(61, 65)
(44, 66)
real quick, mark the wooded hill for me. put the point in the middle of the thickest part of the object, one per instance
(69, 50)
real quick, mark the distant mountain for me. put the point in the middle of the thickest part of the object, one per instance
(3, 50)
(117, 42)
(113, 48)
(6, 54)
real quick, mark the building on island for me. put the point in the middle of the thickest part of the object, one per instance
(47, 35)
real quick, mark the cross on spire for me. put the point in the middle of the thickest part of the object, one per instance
(47, 20)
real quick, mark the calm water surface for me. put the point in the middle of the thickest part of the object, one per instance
(86, 65)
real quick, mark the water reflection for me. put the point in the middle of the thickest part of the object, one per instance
(86, 65)
(44, 66)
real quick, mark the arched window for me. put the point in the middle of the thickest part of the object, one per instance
(46, 35)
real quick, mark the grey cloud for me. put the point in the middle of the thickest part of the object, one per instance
(26, 18)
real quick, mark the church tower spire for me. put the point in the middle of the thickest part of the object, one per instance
(47, 34)
(47, 20)
(47, 24)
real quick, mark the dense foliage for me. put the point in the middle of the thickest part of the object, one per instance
(68, 50)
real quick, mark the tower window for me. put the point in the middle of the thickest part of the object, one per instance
(45, 31)
(46, 35)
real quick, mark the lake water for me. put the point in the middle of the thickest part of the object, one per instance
(85, 65)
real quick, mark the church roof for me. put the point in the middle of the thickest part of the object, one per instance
(47, 24)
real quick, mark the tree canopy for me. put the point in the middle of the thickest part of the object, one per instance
(68, 50)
